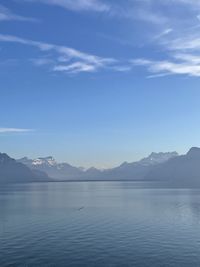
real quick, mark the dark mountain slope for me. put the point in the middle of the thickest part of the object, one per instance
(12, 171)
(179, 170)
(138, 170)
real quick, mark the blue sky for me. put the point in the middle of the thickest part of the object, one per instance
(99, 82)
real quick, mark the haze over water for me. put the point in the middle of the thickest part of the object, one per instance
(99, 224)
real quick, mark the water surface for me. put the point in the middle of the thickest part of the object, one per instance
(99, 224)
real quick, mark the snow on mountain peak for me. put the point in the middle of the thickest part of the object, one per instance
(156, 158)
(47, 161)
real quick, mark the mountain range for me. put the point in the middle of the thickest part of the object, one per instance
(163, 167)
(126, 171)
(183, 169)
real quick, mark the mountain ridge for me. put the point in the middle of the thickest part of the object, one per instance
(65, 171)
(163, 167)
(12, 171)
(184, 169)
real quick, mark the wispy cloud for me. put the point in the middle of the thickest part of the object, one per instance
(178, 38)
(77, 5)
(75, 67)
(188, 42)
(149, 16)
(175, 33)
(42, 61)
(14, 130)
(65, 59)
(181, 64)
(182, 55)
(7, 15)
(162, 34)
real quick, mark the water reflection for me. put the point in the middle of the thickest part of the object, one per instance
(99, 224)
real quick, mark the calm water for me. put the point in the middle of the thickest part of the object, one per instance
(99, 224)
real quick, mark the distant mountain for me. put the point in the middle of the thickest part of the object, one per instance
(139, 169)
(59, 171)
(157, 158)
(126, 171)
(12, 171)
(183, 170)
(163, 167)
(48, 161)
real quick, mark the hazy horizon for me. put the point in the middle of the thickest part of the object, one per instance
(135, 159)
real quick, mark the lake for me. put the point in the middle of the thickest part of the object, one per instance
(99, 224)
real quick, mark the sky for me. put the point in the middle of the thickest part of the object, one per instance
(99, 82)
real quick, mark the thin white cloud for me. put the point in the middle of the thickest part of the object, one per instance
(63, 50)
(75, 60)
(14, 130)
(189, 42)
(178, 38)
(123, 68)
(150, 16)
(175, 33)
(7, 15)
(180, 64)
(190, 58)
(75, 68)
(42, 61)
(77, 5)
(159, 75)
(162, 34)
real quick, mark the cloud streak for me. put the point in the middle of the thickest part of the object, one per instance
(65, 59)
(178, 39)
(180, 64)
(176, 34)
(76, 5)
(7, 15)
(14, 130)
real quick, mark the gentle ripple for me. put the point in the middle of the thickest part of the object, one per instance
(99, 224)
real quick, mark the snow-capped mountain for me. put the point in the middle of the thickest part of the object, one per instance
(12, 171)
(157, 158)
(64, 171)
(163, 167)
(61, 171)
(137, 170)
(49, 161)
